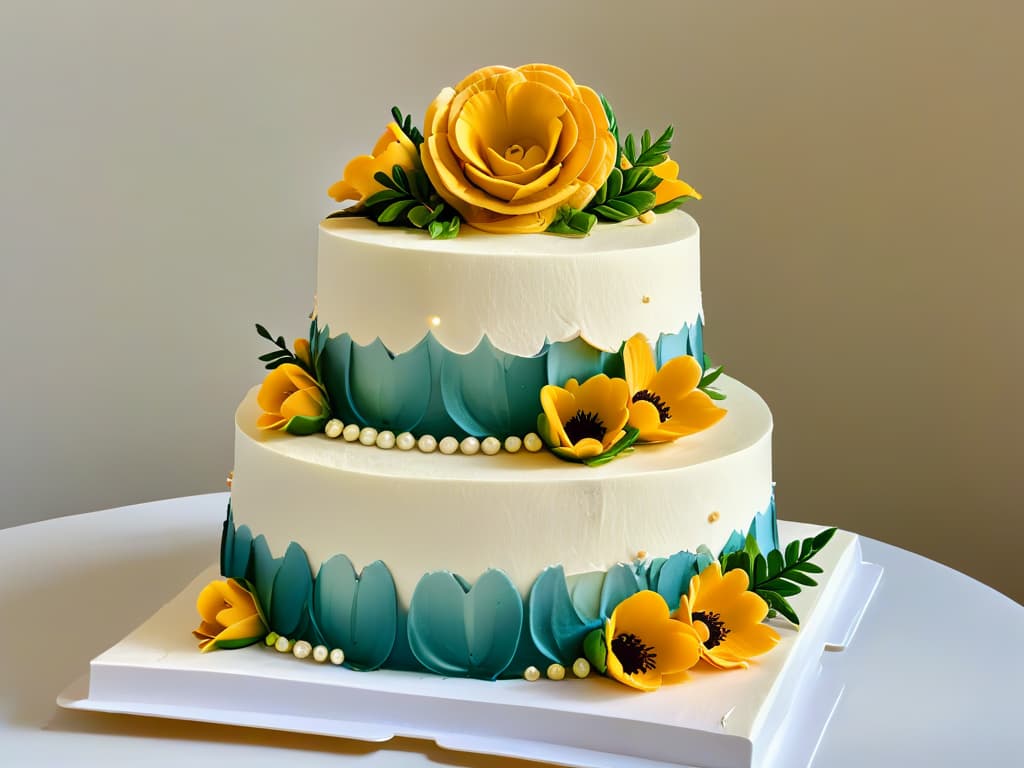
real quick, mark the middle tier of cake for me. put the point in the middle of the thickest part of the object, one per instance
(519, 513)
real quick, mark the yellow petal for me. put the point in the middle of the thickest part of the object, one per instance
(511, 191)
(270, 421)
(748, 641)
(249, 629)
(274, 390)
(211, 600)
(678, 377)
(588, 447)
(645, 417)
(608, 398)
(722, 661)
(694, 413)
(302, 351)
(306, 402)
(638, 360)
(559, 406)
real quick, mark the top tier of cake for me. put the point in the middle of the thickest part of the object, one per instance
(519, 292)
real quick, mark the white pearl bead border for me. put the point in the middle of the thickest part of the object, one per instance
(448, 445)
(302, 649)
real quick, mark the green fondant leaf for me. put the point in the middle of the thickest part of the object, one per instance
(624, 444)
(778, 603)
(229, 645)
(393, 211)
(596, 650)
(386, 181)
(571, 222)
(305, 425)
(357, 613)
(670, 205)
(444, 230)
(775, 562)
(384, 197)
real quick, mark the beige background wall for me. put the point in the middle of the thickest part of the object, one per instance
(163, 168)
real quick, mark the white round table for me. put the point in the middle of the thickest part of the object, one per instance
(934, 677)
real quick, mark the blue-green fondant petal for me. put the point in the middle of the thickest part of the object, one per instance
(227, 544)
(578, 360)
(241, 552)
(585, 592)
(388, 391)
(654, 571)
(556, 628)
(689, 341)
(734, 543)
(705, 557)
(436, 420)
(401, 654)
(465, 633)
(292, 589)
(356, 613)
(765, 528)
(674, 577)
(334, 364)
(489, 392)
(619, 583)
(263, 569)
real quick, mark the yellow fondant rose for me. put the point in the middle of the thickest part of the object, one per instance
(727, 618)
(392, 148)
(583, 421)
(644, 644)
(228, 617)
(665, 404)
(292, 401)
(507, 147)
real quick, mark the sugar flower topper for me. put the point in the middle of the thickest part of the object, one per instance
(512, 150)
(229, 617)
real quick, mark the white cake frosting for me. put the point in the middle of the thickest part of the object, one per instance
(397, 284)
(517, 512)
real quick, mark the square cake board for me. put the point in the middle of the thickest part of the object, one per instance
(772, 714)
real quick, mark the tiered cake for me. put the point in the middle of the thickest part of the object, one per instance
(500, 450)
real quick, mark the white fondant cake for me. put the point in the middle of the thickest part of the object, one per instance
(521, 292)
(516, 512)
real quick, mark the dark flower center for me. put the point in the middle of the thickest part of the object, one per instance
(584, 424)
(664, 413)
(633, 654)
(716, 628)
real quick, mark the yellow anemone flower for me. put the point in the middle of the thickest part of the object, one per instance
(228, 617)
(289, 392)
(585, 420)
(727, 618)
(392, 148)
(665, 404)
(644, 643)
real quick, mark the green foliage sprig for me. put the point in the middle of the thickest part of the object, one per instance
(409, 200)
(711, 375)
(572, 222)
(780, 574)
(281, 355)
(405, 123)
(625, 194)
(318, 338)
(652, 152)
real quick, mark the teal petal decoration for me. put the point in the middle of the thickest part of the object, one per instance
(460, 631)
(334, 363)
(705, 557)
(357, 613)
(227, 543)
(654, 570)
(263, 569)
(619, 583)
(674, 577)
(388, 391)
(238, 557)
(436, 420)
(585, 593)
(293, 584)
(527, 654)
(765, 527)
(489, 392)
(734, 543)
(578, 360)
(689, 341)
(401, 654)
(556, 628)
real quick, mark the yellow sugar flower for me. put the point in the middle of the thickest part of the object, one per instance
(302, 352)
(665, 404)
(392, 148)
(644, 643)
(727, 618)
(581, 421)
(228, 617)
(507, 147)
(291, 400)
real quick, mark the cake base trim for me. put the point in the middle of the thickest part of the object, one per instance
(779, 706)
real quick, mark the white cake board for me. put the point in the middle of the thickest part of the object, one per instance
(772, 714)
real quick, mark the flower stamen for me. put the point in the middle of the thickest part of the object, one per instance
(717, 631)
(664, 412)
(585, 424)
(635, 657)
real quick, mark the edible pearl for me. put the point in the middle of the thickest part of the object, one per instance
(427, 443)
(283, 644)
(350, 433)
(368, 436)
(320, 653)
(532, 674)
(448, 445)
(513, 444)
(337, 657)
(556, 672)
(333, 428)
(302, 649)
(405, 441)
(470, 446)
(532, 442)
(581, 667)
(490, 445)
(386, 440)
